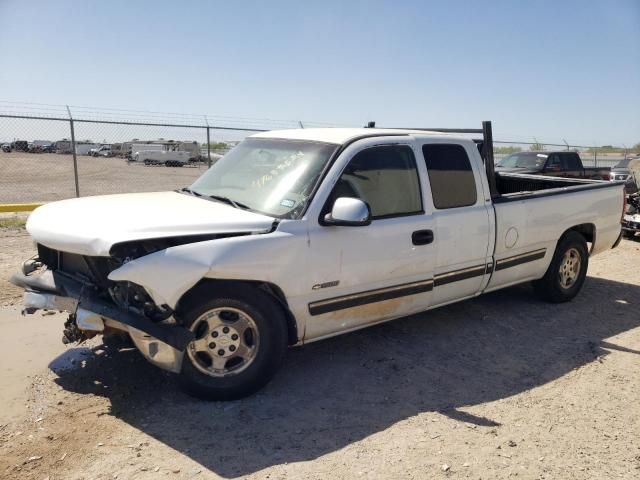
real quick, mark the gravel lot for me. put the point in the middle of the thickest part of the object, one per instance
(30, 177)
(499, 387)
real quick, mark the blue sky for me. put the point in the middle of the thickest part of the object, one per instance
(551, 69)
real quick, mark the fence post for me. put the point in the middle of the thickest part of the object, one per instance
(208, 142)
(595, 156)
(73, 150)
(208, 147)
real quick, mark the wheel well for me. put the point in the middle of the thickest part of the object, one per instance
(587, 230)
(208, 285)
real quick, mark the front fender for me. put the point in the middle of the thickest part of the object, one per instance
(167, 275)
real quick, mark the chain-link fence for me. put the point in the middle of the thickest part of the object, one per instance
(52, 152)
(591, 156)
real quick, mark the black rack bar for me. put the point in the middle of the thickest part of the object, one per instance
(487, 147)
(486, 150)
(443, 130)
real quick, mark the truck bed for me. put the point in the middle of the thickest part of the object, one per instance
(519, 185)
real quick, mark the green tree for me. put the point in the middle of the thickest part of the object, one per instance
(606, 149)
(536, 146)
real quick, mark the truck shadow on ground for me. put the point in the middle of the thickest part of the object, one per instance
(333, 393)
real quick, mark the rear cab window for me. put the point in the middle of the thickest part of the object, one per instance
(453, 183)
(571, 161)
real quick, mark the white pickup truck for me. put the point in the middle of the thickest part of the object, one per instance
(299, 235)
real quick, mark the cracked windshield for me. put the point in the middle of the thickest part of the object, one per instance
(270, 176)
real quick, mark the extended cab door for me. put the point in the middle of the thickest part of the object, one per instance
(360, 275)
(462, 217)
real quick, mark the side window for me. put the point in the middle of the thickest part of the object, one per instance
(386, 178)
(452, 181)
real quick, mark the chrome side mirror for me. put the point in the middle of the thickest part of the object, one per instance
(349, 212)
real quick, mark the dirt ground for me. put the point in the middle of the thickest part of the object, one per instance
(29, 177)
(503, 386)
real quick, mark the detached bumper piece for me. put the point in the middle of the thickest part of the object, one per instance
(45, 289)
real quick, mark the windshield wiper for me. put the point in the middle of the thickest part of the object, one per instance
(192, 192)
(233, 203)
(219, 198)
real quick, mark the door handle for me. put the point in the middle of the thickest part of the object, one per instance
(422, 237)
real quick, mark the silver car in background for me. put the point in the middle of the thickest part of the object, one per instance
(621, 172)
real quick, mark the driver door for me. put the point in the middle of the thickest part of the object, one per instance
(365, 274)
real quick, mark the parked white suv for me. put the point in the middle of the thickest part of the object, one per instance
(299, 235)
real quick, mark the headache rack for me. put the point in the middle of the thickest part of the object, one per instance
(485, 147)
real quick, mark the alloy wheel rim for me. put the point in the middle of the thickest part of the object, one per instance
(226, 342)
(569, 268)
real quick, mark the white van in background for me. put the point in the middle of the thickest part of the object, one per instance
(170, 155)
(169, 158)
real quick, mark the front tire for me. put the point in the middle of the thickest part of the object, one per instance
(241, 340)
(566, 273)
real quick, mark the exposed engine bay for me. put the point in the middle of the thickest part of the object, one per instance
(93, 273)
(79, 284)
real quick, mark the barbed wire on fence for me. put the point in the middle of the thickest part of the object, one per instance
(148, 116)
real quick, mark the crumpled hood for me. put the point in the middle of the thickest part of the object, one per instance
(92, 225)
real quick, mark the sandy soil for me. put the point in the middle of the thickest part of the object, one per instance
(15, 247)
(499, 387)
(29, 177)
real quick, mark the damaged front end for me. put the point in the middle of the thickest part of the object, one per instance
(79, 284)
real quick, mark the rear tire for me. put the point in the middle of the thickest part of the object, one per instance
(566, 273)
(241, 340)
